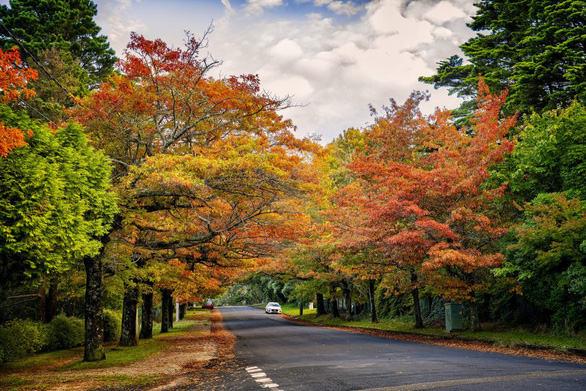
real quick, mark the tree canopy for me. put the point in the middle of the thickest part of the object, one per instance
(67, 25)
(536, 49)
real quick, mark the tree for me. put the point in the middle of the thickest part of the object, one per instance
(377, 205)
(546, 173)
(55, 204)
(198, 160)
(422, 189)
(533, 48)
(549, 155)
(54, 97)
(548, 259)
(14, 79)
(67, 25)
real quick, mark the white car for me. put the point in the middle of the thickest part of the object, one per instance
(273, 308)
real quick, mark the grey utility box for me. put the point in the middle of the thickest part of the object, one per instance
(453, 316)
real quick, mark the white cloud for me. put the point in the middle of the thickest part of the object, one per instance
(114, 16)
(337, 69)
(228, 6)
(344, 8)
(286, 50)
(443, 12)
(339, 7)
(257, 6)
(334, 66)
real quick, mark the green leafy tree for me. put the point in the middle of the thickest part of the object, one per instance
(536, 49)
(67, 25)
(52, 99)
(54, 203)
(549, 156)
(546, 253)
(549, 260)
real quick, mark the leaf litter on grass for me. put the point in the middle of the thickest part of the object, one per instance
(183, 353)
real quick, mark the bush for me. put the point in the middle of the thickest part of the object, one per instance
(19, 338)
(64, 332)
(112, 325)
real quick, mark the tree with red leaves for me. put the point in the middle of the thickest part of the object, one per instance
(14, 78)
(206, 169)
(420, 188)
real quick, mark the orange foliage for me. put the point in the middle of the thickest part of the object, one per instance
(14, 78)
(209, 175)
(419, 201)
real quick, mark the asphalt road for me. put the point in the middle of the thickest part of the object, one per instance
(273, 353)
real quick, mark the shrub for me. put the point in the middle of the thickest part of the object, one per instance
(112, 325)
(64, 332)
(19, 338)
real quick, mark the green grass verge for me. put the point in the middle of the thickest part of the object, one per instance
(118, 356)
(508, 337)
(115, 357)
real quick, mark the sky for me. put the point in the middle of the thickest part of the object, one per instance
(334, 57)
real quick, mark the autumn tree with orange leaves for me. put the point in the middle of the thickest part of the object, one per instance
(14, 79)
(424, 208)
(208, 172)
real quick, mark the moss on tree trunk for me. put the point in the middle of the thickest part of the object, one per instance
(129, 333)
(94, 313)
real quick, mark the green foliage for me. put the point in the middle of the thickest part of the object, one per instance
(392, 306)
(549, 156)
(534, 48)
(67, 25)
(112, 324)
(51, 100)
(64, 332)
(549, 261)
(55, 203)
(19, 338)
(257, 288)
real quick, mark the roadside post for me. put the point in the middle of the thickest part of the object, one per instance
(453, 316)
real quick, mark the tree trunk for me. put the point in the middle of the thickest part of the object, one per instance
(348, 298)
(474, 317)
(319, 298)
(171, 308)
(165, 294)
(334, 308)
(146, 329)
(94, 309)
(334, 302)
(129, 333)
(42, 305)
(51, 300)
(373, 316)
(182, 311)
(416, 306)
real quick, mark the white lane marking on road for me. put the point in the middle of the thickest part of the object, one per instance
(261, 378)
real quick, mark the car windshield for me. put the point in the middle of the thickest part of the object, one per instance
(273, 305)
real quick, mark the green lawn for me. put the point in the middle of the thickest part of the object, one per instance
(115, 357)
